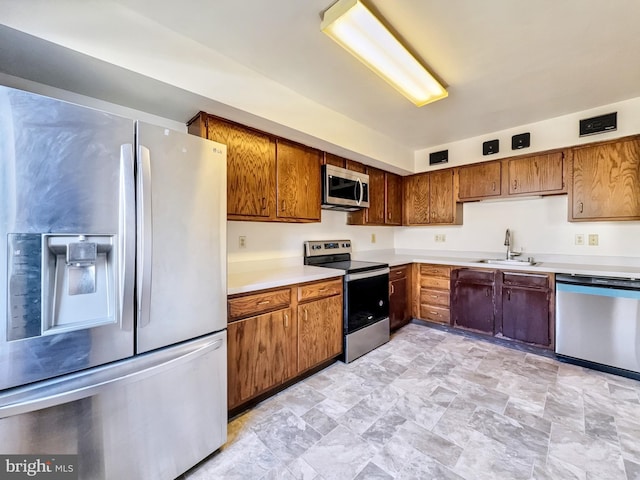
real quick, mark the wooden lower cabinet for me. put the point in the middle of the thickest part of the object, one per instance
(472, 300)
(515, 305)
(433, 293)
(527, 307)
(399, 314)
(262, 353)
(319, 331)
(276, 335)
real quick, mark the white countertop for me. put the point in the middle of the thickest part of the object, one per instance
(261, 278)
(542, 265)
(247, 277)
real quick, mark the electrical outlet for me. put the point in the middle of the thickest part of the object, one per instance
(579, 239)
(440, 237)
(373, 238)
(593, 239)
(242, 241)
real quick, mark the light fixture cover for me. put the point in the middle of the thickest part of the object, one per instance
(356, 29)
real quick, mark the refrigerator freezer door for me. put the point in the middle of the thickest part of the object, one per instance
(151, 417)
(67, 237)
(181, 259)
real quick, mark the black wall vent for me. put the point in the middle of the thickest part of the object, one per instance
(603, 123)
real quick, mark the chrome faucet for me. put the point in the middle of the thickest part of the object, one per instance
(507, 243)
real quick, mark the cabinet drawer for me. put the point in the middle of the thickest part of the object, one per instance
(250, 305)
(534, 280)
(433, 282)
(319, 290)
(398, 272)
(477, 276)
(434, 313)
(434, 297)
(435, 270)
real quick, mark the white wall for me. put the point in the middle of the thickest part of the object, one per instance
(540, 225)
(553, 133)
(284, 240)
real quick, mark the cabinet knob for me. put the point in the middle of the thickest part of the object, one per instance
(493, 186)
(515, 184)
(392, 289)
(580, 207)
(286, 321)
(264, 203)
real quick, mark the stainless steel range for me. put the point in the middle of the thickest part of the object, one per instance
(366, 295)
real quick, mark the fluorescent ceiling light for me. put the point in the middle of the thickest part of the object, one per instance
(356, 29)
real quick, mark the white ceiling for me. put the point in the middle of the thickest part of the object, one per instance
(506, 63)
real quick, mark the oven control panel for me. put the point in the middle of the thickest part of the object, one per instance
(316, 248)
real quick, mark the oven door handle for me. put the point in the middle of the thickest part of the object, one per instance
(369, 274)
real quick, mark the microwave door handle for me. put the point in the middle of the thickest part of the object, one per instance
(359, 186)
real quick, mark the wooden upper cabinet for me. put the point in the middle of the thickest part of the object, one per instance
(478, 181)
(335, 160)
(375, 212)
(606, 181)
(250, 165)
(442, 202)
(355, 166)
(393, 199)
(299, 186)
(429, 199)
(538, 174)
(416, 199)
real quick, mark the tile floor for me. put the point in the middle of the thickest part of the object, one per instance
(437, 405)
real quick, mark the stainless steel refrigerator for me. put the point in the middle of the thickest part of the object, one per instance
(112, 288)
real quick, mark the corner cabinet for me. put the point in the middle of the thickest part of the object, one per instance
(385, 199)
(399, 278)
(268, 179)
(430, 199)
(605, 181)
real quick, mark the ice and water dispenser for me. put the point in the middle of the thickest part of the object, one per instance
(60, 283)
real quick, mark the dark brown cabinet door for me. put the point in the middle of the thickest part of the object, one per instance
(250, 168)
(261, 354)
(525, 314)
(299, 186)
(537, 174)
(606, 182)
(479, 181)
(393, 199)
(472, 300)
(398, 305)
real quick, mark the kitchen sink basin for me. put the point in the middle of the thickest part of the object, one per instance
(513, 261)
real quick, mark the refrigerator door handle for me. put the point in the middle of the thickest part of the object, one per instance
(83, 385)
(126, 237)
(145, 236)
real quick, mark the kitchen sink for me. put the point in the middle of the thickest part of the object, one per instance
(513, 261)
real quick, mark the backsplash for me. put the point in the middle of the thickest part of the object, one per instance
(539, 227)
(268, 241)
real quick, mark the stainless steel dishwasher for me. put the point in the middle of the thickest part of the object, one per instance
(598, 322)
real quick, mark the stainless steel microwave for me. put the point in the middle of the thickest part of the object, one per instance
(344, 189)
